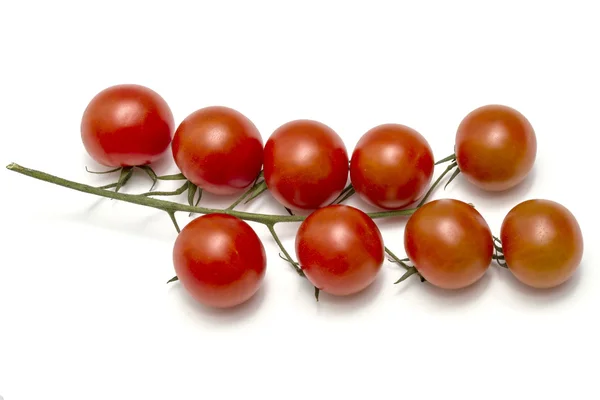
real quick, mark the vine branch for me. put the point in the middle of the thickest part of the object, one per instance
(170, 206)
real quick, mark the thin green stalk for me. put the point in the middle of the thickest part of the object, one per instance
(437, 182)
(410, 270)
(286, 255)
(170, 206)
(247, 193)
(167, 206)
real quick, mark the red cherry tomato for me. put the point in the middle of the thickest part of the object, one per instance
(340, 249)
(306, 165)
(449, 243)
(219, 260)
(127, 125)
(542, 243)
(495, 147)
(219, 150)
(391, 166)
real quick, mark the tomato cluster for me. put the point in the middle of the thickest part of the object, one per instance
(305, 165)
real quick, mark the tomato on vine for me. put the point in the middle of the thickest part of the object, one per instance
(449, 243)
(219, 150)
(495, 149)
(340, 249)
(391, 166)
(541, 242)
(126, 126)
(305, 165)
(219, 260)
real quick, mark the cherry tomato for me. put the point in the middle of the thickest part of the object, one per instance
(340, 249)
(127, 125)
(542, 243)
(219, 150)
(495, 147)
(306, 165)
(391, 166)
(449, 243)
(219, 260)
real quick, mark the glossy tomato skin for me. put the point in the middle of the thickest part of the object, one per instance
(449, 243)
(218, 149)
(542, 243)
(306, 165)
(219, 260)
(340, 249)
(496, 147)
(127, 125)
(391, 166)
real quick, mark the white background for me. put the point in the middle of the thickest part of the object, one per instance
(84, 309)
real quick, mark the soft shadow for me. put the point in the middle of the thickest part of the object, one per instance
(542, 296)
(458, 297)
(165, 165)
(488, 198)
(393, 222)
(352, 303)
(216, 316)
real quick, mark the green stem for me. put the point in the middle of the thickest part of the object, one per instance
(174, 220)
(167, 206)
(437, 182)
(287, 256)
(409, 270)
(170, 206)
(451, 157)
(247, 193)
(395, 213)
(174, 177)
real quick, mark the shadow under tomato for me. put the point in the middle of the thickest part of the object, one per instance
(483, 198)
(545, 296)
(351, 303)
(219, 316)
(457, 297)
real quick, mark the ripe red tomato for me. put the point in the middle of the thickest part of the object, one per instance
(495, 147)
(449, 243)
(306, 165)
(219, 260)
(391, 166)
(127, 125)
(542, 243)
(340, 249)
(219, 150)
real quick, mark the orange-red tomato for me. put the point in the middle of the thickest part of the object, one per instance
(306, 165)
(219, 150)
(126, 126)
(495, 147)
(219, 260)
(449, 243)
(542, 243)
(340, 249)
(391, 166)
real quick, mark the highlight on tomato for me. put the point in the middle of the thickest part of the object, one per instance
(219, 260)
(449, 243)
(340, 249)
(542, 243)
(391, 166)
(305, 165)
(495, 148)
(219, 150)
(127, 125)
